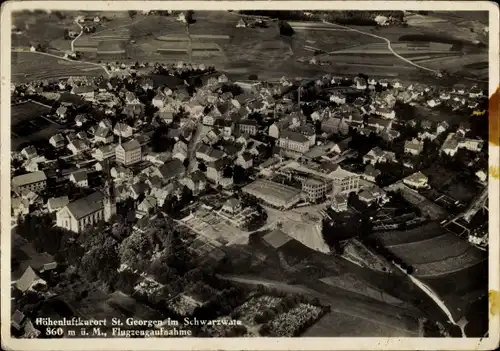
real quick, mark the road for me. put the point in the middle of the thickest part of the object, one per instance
(191, 152)
(65, 59)
(389, 46)
(435, 298)
(78, 36)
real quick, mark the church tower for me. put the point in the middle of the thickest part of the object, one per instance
(109, 201)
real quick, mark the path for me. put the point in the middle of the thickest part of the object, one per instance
(389, 46)
(65, 59)
(435, 298)
(78, 36)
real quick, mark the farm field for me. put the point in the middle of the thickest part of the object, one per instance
(28, 125)
(340, 324)
(427, 231)
(469, 258)
(431, 250)
(28, 66)
(27, 111)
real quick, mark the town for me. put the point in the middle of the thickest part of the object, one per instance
(163, 190)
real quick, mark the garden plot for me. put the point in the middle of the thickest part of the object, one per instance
(295, 321)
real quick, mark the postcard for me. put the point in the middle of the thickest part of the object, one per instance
(250, 175)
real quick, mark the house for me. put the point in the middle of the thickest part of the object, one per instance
(103, 135)
(123, 130)
(433, 103)
(339, 203)
(293, 141)
(372, 195)
(416, 180)
(77, 146)
(377, 155)
(33, 181)
(241, 23)
(120, 172)
(232, 206)
(226, 182)
(476, 92)
(17, 320)
(180, 151)
(82, 135)
(147, 84)
(463, 129)
(146, 206)
(442, 127)
(379, 124)
(385, 112)
(105, 123)
(248, 126)
(414, 146)
(342, 146)
(104, 152)
(85, 212)
(482, 175)
(61, 111)
(128, 153)
(215, 170)
(206, 153)
(29, 152)
(32, 165)
(165, 115)
(244, 160)
(87, 92)
(79, 178)
(371, 173)
(29, 280)
(56, 203)
(159, 100)
(222, 79)
(19, 207)
(360, 83)
(459, 89)
(80, 120)
(196, 182)
(444, 96)
(170, 170)
(450, 145)
(57, 140)
(426, 135)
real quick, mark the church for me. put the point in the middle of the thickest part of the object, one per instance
(87, 211)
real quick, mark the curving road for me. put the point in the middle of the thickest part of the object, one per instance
(78, 36)
(65, 59)
(389, 46)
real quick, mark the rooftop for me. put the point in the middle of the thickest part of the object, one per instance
(29, 178)
(86, 205)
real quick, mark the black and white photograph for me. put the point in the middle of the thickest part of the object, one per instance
(224, 174)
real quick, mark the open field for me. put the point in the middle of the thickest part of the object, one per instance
(469, 258)
(345, 325)
(427, 231)
(28, 66)
(431, 250)
(27, 111)
(29, 125)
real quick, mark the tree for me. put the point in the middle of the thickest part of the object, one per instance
(202, 167)
(132, 13)
(253, 77)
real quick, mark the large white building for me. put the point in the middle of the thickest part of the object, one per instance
(344, 182)
(87, 211)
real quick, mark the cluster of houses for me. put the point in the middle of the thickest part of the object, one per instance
(123, 153)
